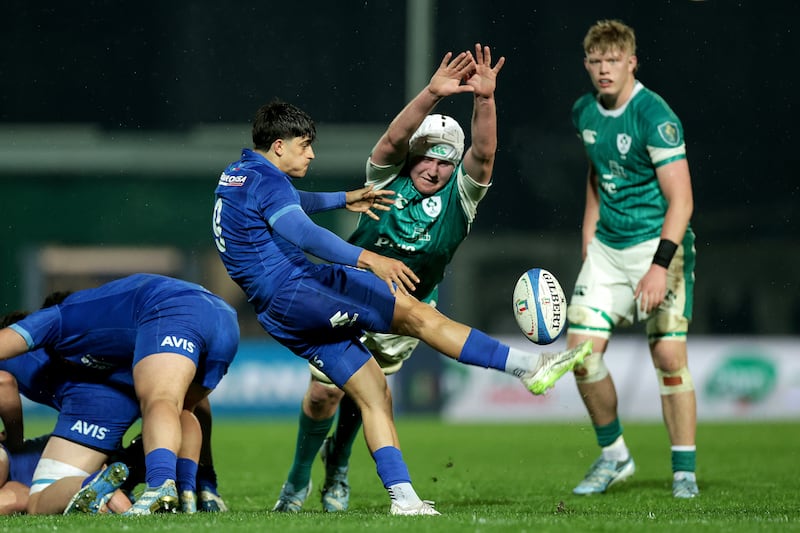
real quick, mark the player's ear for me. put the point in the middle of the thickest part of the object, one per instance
(277, 147)
(633, 63)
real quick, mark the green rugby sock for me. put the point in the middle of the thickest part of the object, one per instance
(684, 458)
(310, 436)
(606, 435)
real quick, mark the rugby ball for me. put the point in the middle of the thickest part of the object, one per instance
(540, 306)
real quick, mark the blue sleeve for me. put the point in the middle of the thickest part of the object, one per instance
(24, 334)
(315, 202)
(295, 226)
(40, 328)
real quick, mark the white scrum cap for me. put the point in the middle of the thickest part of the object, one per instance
(440, 137)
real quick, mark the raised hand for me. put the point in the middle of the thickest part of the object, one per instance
(451, 73)
(484, 79)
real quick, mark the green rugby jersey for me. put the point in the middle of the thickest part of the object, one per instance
(421, 231)
(626, 145)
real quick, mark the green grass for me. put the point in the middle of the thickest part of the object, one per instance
(492, 478)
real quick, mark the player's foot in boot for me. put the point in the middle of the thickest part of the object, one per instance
(99, 490)
(291, 500)
(336, 489)
(554, 365)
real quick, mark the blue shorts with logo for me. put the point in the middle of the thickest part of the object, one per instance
(95, 415)
(323, 314)
(199, 326)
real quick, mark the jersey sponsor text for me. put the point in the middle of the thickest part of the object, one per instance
(178, 342)
(90, 430)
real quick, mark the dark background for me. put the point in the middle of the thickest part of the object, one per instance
(728, 69)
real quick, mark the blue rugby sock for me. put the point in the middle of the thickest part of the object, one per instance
(391, 467)
(482, 350)
(187, 475)
(160, 465)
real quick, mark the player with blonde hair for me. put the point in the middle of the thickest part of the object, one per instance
(638, 252)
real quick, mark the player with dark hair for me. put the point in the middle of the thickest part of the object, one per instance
(169, 340)
(262, 231)
(437, 189)
(638, 250)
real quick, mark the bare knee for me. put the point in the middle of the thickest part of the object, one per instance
(321, 400)
(669, 356)
(381, 405)
(369, 390)
(413, 317)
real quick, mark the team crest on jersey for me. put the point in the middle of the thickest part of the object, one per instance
(623, 143)
(432, 206)
(669, 132)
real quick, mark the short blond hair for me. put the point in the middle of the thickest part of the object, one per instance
(607, 35)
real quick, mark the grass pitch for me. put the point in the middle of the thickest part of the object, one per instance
(493, 478)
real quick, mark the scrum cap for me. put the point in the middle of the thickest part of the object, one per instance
(440, 137)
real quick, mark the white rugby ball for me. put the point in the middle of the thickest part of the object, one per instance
(540, 306)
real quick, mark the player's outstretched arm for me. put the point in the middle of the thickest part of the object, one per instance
(479, 158)
(449, 79)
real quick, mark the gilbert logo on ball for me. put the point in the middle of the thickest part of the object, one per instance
(540, 306)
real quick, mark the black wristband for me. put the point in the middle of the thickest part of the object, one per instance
(664, 253)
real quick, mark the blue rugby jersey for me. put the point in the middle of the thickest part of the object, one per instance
(251, 195)
(97, 328)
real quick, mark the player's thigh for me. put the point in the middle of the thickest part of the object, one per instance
(603, 295)
(414, 318)
(74, 454)
(343, 298)
(163, 376)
